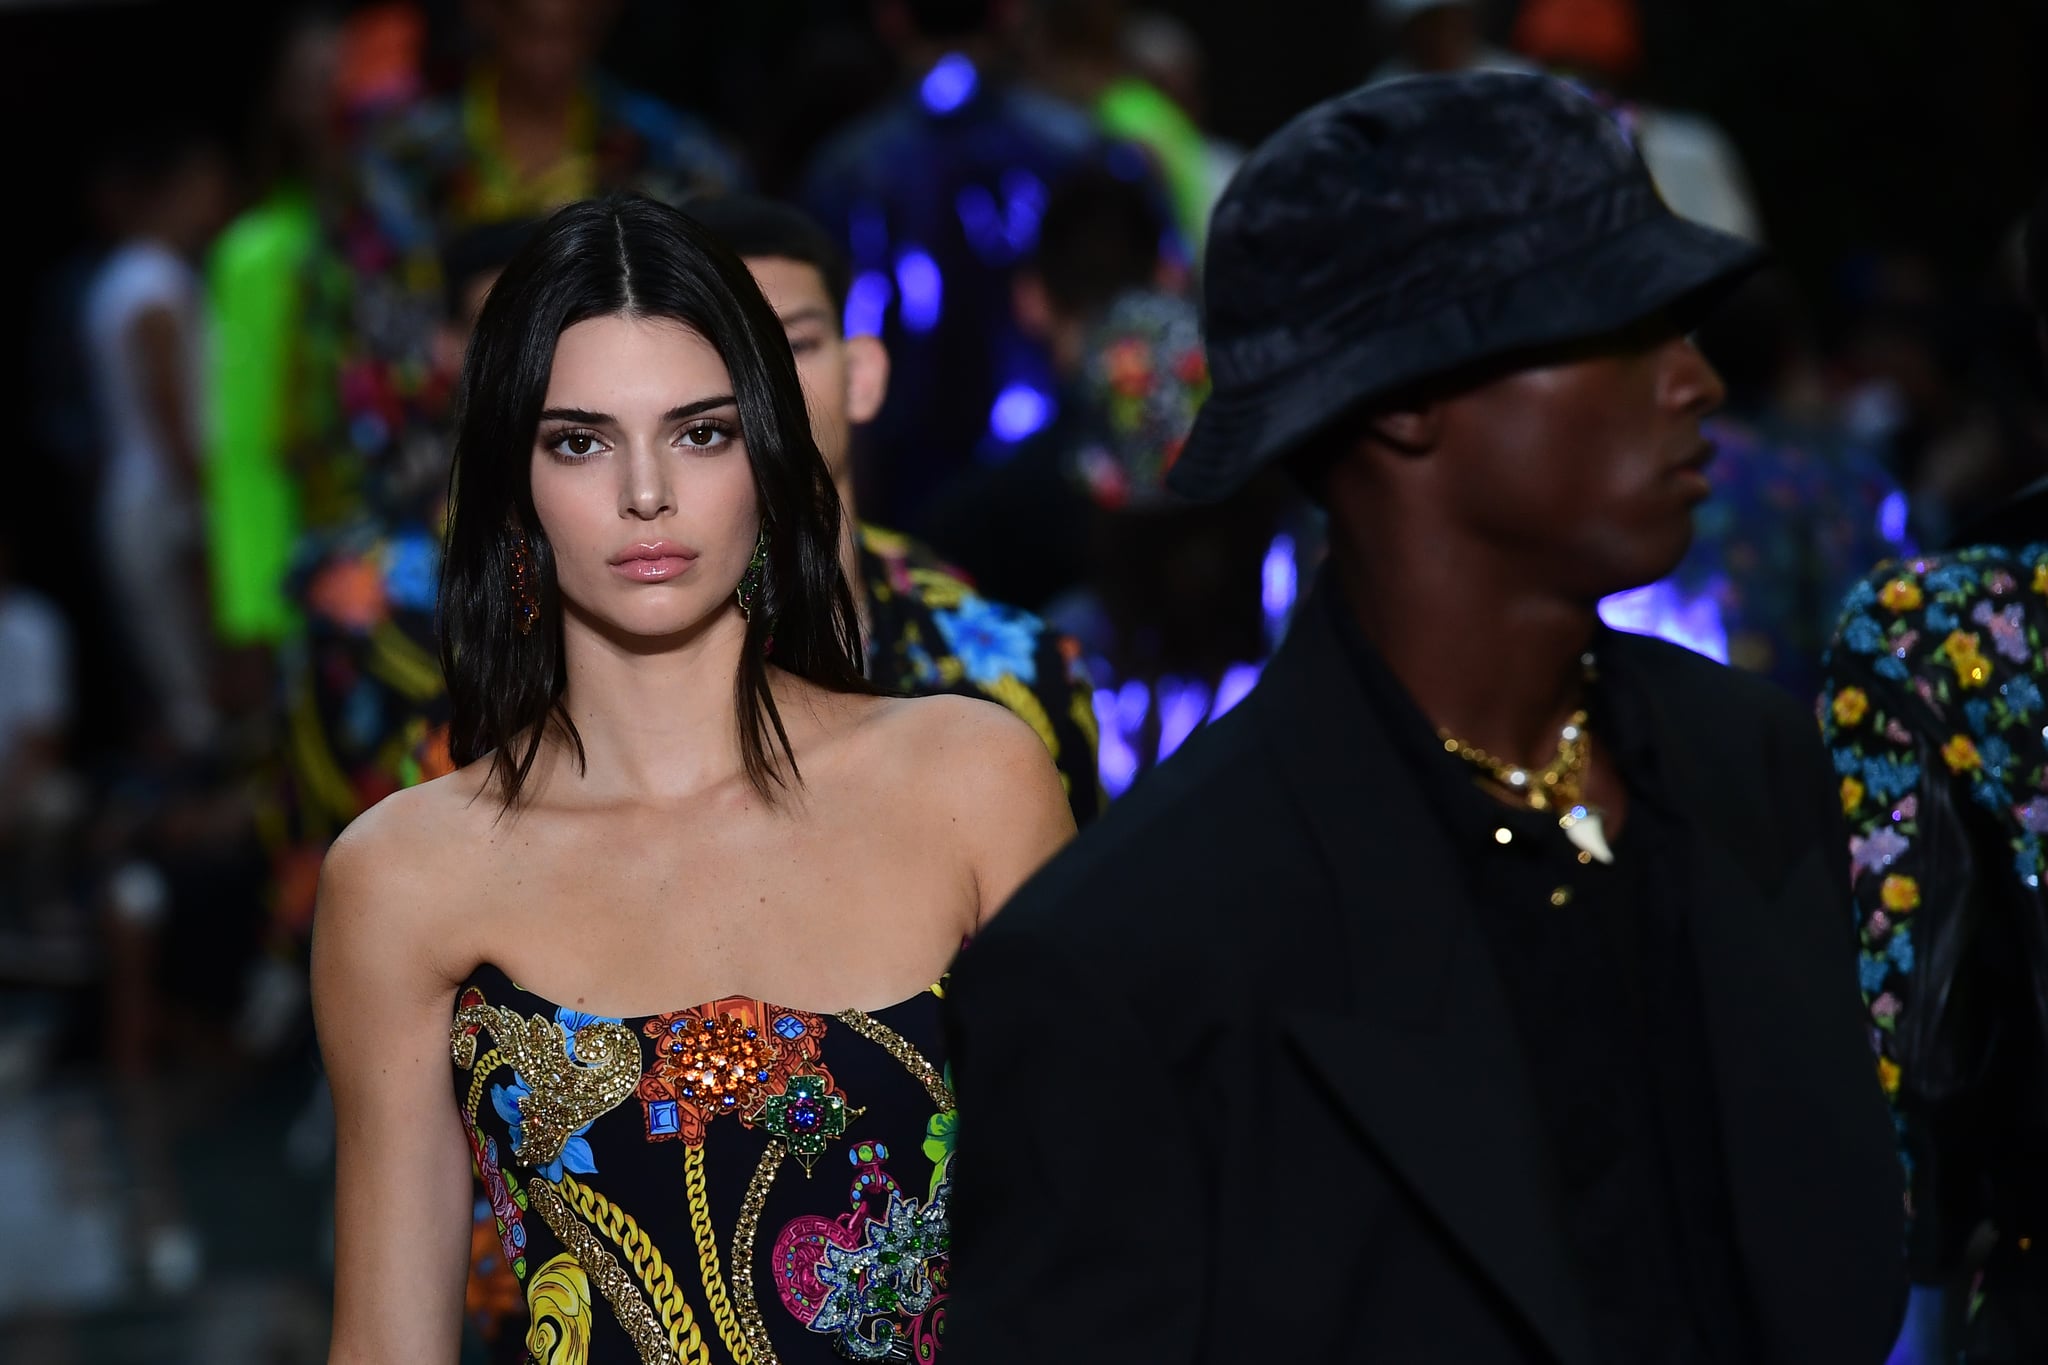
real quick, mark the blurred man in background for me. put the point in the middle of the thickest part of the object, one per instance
(146, 337)
(935, 198)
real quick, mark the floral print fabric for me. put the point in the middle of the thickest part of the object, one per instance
(1933, 710)
(931, 632)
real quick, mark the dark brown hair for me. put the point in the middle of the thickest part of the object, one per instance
(627, 256)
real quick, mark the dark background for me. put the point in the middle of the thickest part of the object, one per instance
(1865, 123)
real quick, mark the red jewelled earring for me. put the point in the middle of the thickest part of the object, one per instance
(525, 600)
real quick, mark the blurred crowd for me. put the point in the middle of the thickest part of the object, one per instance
(217, 582)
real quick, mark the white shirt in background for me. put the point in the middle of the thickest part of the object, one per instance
(137, 278)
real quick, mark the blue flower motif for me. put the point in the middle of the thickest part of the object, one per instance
(1847, 761)
(1862, 597)
(1891, 668)
(1901, 950)
(2027, 856)
(1863, 635)
(1991, 795)
(1871, 972)
(412, 570)
(1977, 711)
(1950, 578)
(1889, 778)
(2023, 697)
(1940, 618)
(991, 640)
(575, 1155)
(571, 1021)
(1996, 754)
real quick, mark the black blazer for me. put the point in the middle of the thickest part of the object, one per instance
(1238, 1081)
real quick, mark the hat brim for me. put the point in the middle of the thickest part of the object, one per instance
(1662, 263)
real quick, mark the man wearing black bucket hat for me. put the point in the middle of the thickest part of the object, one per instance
(1481, 989)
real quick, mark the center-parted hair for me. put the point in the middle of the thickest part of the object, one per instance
(630, 257)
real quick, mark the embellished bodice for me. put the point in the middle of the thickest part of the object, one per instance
(736, 1182)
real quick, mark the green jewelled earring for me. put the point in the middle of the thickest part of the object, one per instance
(750, 581)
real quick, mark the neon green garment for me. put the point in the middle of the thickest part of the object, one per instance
(255, 283)
(1136, 111)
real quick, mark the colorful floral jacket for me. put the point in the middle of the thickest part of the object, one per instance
(1934, 713)
(931, 632)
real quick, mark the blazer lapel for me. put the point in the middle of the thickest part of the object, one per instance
(1426, 1062)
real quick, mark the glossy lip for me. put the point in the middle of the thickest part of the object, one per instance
(653, 561)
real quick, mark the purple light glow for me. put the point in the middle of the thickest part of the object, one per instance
(1237, 683)
(1019, 411)
(1023, 206)
(866, 301)
(1891, 519)
(1667, 613)
(1116, 761)
(1182, 707)
(949, 84)
(1280, 583)
(920, 287)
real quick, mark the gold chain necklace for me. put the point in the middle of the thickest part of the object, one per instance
(1558, 785)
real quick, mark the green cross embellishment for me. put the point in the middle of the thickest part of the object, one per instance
(805, 1117)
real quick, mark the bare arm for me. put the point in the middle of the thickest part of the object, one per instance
(402, 1187)
(159, 349)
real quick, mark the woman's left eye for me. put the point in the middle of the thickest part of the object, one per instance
(704, 436)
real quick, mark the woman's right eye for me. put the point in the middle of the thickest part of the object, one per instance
(575, 445)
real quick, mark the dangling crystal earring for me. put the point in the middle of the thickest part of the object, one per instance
(525, 600)
(750, 581)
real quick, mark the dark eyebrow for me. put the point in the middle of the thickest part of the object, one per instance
(677, 414)
(599, 419)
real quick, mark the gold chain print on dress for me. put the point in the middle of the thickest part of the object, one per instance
(570, 1087)
(682, 1343)
(743, 1234)
(761, 1064)
(558, 1305)
(722, 1316)
(485, 1065)
(905, 1052)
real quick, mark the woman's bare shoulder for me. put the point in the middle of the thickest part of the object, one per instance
(399, 867)
(970, 754)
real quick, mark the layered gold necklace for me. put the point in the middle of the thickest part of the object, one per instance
(1558, 786)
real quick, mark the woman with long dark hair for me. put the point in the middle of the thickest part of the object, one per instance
(674, 788)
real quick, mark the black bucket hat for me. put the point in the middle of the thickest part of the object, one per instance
(1412, 230)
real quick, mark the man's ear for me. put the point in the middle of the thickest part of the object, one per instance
(867, 378)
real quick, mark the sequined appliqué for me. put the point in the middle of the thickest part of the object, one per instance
(806, 1116)
(721, 1059)
(872, 1279)
(572, 1080)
